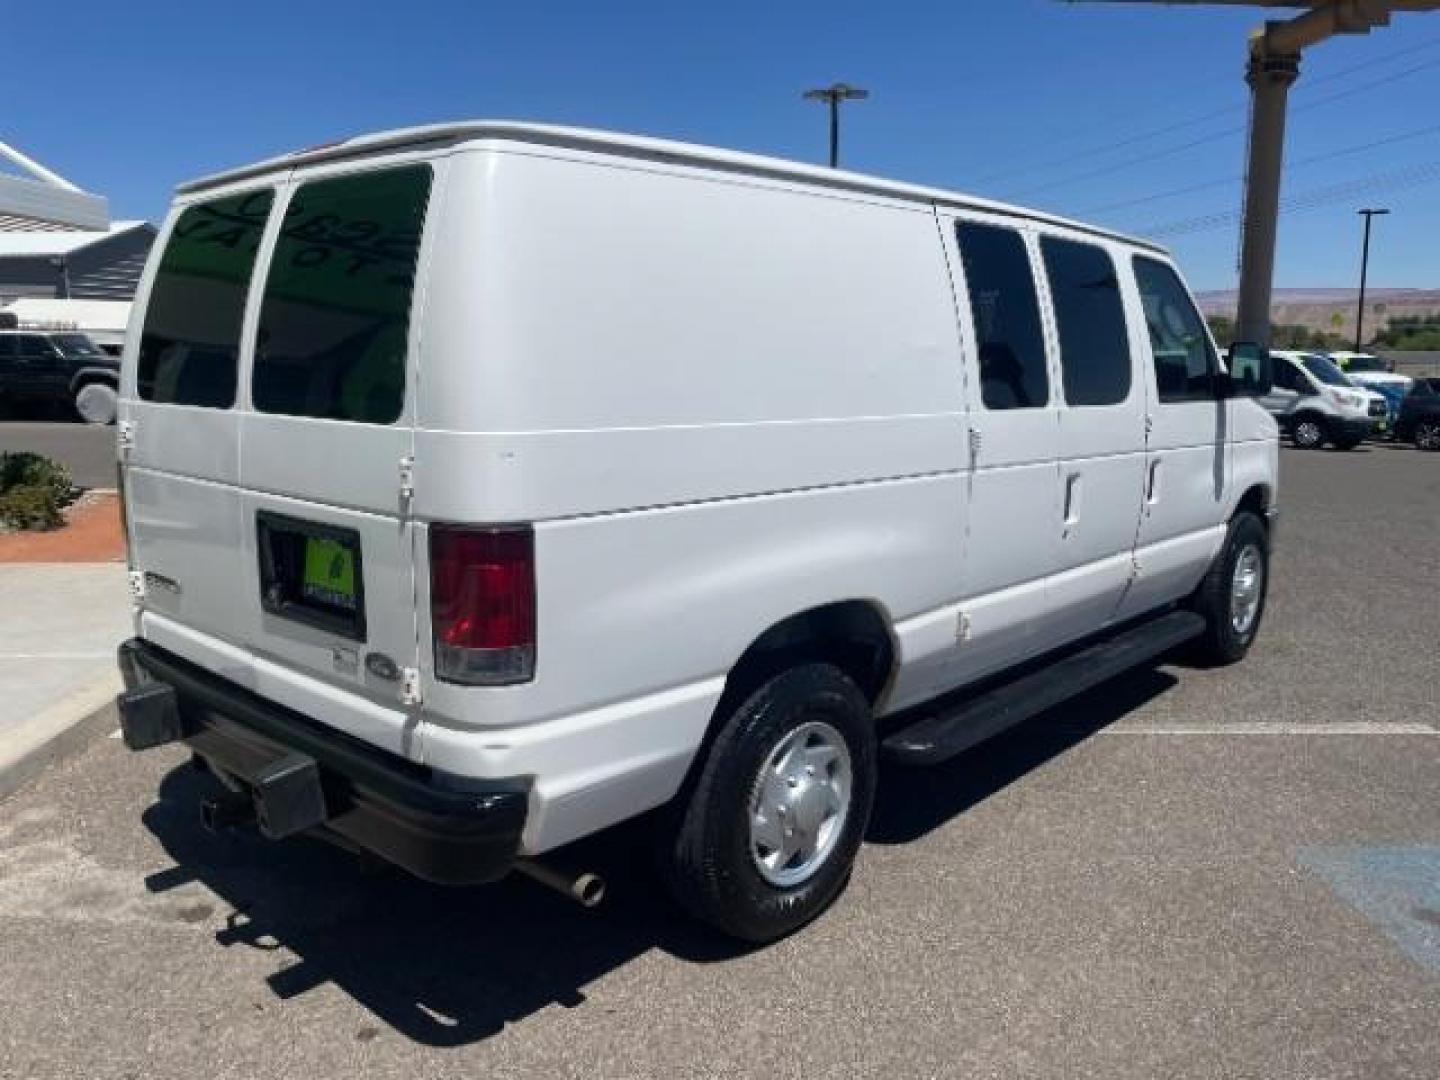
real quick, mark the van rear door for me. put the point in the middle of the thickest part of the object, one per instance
(179, 424)
(328, 438)
(266, 498)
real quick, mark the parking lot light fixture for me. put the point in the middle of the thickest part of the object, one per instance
(1367, 214)
(832, 95)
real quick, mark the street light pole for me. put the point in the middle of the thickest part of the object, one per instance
(1367, 214)
(832, 95)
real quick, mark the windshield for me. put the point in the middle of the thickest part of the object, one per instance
(1365, 363)
(76, 345)
(1324, 370)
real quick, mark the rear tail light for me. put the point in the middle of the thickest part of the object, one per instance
(482, 604)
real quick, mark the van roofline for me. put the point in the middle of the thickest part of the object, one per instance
(645, 148)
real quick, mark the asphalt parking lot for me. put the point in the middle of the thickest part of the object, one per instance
(1186, 873)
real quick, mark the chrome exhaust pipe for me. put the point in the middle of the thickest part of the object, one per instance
(585, 889)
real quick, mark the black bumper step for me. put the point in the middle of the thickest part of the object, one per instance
(299, 775)
(939, 735)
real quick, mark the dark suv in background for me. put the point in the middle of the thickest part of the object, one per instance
(1420, 415)
(62, 368)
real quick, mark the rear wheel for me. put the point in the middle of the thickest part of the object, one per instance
(1308, 433)
(769, 834)
(1232, 596)
(95, 402)
(1427, 435)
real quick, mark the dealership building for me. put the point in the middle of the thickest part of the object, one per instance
(63, 262)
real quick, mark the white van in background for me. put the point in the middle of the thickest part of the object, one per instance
(490, 484)
(1315, 403)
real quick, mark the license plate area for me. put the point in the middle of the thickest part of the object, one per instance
(311, 573)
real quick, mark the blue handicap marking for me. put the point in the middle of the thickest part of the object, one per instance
(1396, 888)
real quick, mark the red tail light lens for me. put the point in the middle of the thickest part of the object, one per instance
(482, 604)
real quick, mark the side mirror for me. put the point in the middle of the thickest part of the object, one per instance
(1252, 372)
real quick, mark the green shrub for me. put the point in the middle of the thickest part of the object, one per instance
(30, 506)
(33, 491)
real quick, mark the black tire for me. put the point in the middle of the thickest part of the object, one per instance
(1222, 643)
(1427, 435)
(707, 860)
(1308, 431)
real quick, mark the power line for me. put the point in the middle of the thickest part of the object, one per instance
(1152, 133)
(1383, 58)
(1228, 180)
(1353, 90)
(1217, 136)
(1216, 113)
(1106, 148)
(1129, 162)
(1426, 172)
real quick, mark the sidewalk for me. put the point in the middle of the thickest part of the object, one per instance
(59, 626)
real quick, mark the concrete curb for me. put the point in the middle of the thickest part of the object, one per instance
(63, 729)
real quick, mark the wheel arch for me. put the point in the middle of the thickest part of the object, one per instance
(854, 635)
(87, 375)
(857, 636)
(1256, 500)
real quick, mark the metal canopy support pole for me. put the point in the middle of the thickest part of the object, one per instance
(1270, 76)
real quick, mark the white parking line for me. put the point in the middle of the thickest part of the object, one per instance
(1358, 727)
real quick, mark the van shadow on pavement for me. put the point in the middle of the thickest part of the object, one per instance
(450, 966)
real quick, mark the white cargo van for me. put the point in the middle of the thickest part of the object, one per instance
(490, 484)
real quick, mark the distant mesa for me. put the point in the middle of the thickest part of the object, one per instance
(1333, 310)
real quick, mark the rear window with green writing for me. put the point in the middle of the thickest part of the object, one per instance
(335, 315)
(190, 344)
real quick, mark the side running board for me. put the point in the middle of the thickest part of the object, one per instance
(936, 736)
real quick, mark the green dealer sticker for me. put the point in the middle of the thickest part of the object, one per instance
(329, 572)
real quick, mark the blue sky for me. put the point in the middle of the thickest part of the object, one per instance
(1022, 100)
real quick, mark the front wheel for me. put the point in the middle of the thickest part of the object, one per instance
(1232, 596)
(1427, 435)
(96, 402)
(769, 834)
(1308, 433)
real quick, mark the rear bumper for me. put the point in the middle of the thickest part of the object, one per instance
(305, 777)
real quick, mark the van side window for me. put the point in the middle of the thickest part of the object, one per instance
(1094, 345)
(190, 343)
(1006, 315)
(335, 317)
(1185, 362)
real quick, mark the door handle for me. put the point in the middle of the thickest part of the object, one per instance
(1072, 501)
(1152, 483)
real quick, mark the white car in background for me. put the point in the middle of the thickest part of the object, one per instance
(1375, 374)
(1367, 369)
